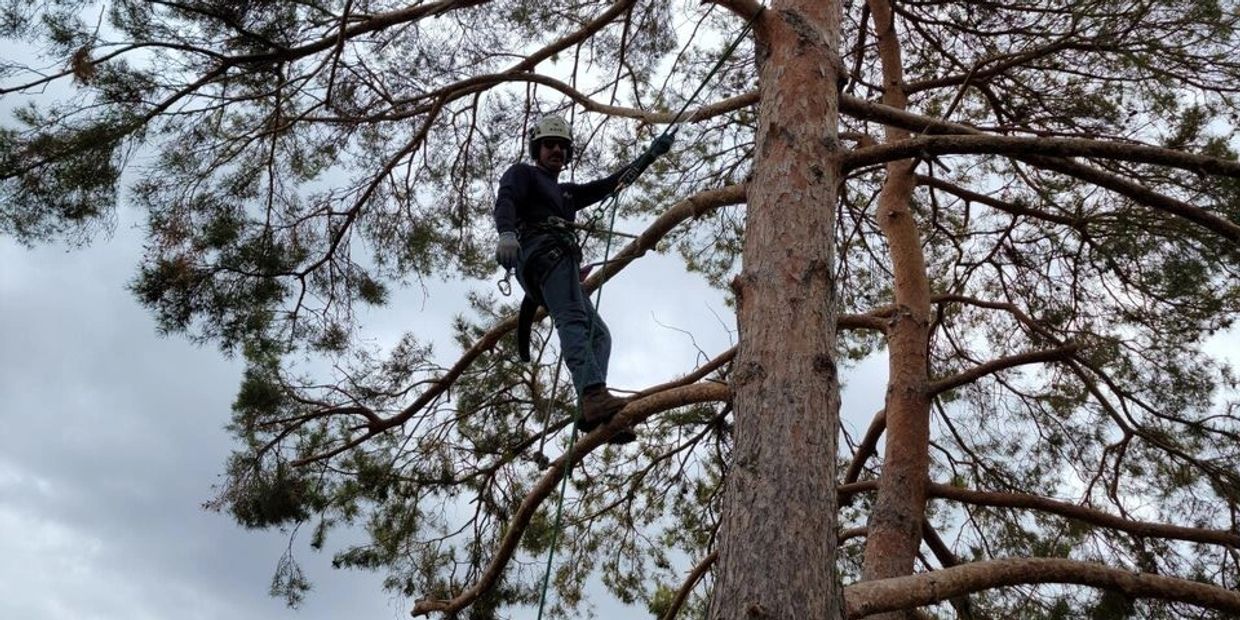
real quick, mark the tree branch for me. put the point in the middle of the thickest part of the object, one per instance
(743, 8)
(1086, 514)
(633, 412)
(994, 203)
(375, 23)
(692, 206)
(867, 110)
(704, 112)
(863, 599)
(691, 582)
(993, 366)
(962, 605)
(1068, 510)
(866, 448)
(1014, 146)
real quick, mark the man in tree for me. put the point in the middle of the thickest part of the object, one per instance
(1038, 225)
(533, 215)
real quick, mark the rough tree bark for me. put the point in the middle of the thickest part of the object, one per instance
(777, 544)
(895, 522)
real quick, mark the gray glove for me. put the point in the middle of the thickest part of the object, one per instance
(662, 144)
(507, 250)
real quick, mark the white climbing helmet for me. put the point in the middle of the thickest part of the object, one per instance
(551, 126)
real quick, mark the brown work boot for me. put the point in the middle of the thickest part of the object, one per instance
(598, 407)
(623, 436)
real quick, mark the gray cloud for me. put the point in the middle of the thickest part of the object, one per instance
(112, 437)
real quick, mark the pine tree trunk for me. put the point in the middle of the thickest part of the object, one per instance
(777, 539)
(894, 532)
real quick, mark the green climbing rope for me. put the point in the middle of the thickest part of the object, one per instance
(611, 203)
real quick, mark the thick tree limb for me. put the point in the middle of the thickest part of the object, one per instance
(993, 366)
(636, 411)
(866, 448)
(1043, 147)
(1064, 509)
(894, 536)
(877, 112)
(851, 533)
(692, 207)
(697, 375)
(863, 599)
(1086, 515)
(690, 582)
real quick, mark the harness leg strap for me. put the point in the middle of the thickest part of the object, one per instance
(536, 269)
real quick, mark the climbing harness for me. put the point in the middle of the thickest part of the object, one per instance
(560, 243)
(560, 227)
(537, 268)
(612, 202)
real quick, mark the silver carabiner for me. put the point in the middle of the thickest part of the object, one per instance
(505, 286)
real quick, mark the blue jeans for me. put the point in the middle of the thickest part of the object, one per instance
(584, 338)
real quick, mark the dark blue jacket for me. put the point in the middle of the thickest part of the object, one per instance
(529, 195)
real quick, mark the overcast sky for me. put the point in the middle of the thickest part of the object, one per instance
(113, 437)
(112, 440)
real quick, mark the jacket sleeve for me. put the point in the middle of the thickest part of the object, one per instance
(512, 186)
(586, 194)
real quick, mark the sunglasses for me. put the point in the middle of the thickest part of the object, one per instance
(555, 143)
